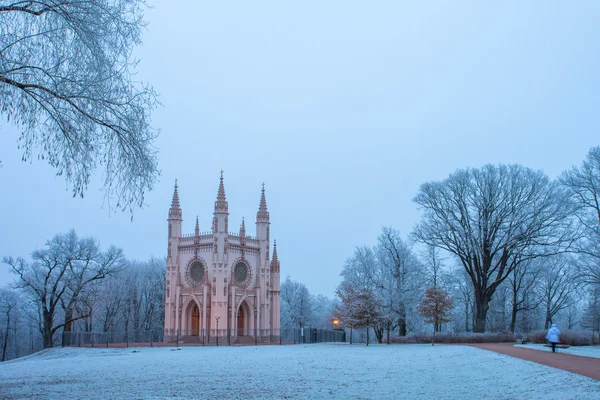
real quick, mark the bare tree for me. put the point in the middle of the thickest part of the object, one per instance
(297, 307)
(492, 219)
(434, 264)
(558, 286)
(67, 81)
(583, 185)
(398, 274)
(8, 306)
(463, 289)
(522, 282)
(59, 274)
(141, 304)
(591, 315)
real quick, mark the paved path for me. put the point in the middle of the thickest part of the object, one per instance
(586, 366)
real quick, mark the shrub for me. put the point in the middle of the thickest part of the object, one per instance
(463, 338)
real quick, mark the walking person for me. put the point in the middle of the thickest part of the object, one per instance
(553, 336)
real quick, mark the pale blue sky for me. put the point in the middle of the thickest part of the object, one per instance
(342, 108)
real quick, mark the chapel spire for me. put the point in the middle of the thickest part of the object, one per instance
(243, 228)
(243, 233)
(275, 260)
(175, 210)
(221, 203)
(197, 231)
(263, 214)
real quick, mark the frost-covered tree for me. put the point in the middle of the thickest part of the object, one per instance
(492, 219)
(558, 286)
(60, 274)
(142, 307)
(583, 186)
(463, 294)
(67, 81)
(591, 316)
(297, 305)
(397, 277)
(8, 310)
(523, 281)
(436, 307)
(323, 312)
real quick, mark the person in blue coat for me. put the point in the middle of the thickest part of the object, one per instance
(553, 336)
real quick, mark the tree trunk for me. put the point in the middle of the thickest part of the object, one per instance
(379, 328)
(515, 310)
(367, 336)
(68, 320)
(47, 330)
(433, 341)
(467, 318)
(4, 345)
(402, 327)
(388, 332)
(482, 304)
(350, 335)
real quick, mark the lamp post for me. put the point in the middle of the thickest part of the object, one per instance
(217, 319)
(336, 322)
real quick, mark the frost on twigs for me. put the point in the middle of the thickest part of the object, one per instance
(67, 81)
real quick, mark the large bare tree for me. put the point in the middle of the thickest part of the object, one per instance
(583, 185)
(492, 219)
(60, 274)
(67, 81)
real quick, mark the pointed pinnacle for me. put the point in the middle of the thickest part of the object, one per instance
(221, 203)
(263, 213)
(175, 210)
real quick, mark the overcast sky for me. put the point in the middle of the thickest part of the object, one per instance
(342, 109)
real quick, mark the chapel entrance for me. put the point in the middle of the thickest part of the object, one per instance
(195, 320)
(243, 319)
(240, 322)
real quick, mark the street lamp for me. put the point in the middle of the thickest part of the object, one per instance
(335, 323)
(217, 319)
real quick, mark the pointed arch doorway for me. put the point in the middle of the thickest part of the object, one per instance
(195, 320)
(243, 319)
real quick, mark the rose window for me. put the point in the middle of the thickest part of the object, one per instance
(240, 273)
(196, 272)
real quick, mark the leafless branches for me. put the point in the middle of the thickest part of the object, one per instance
(493, 219)
(66, 79)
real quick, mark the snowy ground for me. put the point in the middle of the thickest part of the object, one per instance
(300, 371)
(587, 351)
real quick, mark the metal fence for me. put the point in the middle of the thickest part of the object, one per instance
(202, 337)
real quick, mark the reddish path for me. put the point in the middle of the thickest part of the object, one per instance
(586, 366)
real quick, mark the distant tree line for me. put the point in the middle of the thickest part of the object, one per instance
(513, 250)
(71, 285)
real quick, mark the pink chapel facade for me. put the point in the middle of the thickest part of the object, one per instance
(218, 274)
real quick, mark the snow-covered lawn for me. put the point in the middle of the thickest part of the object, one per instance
(587, 351)
(300, 371)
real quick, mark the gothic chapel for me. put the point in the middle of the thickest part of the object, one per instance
(220, 277)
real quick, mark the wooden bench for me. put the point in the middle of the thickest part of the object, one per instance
(523, 340)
